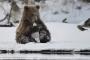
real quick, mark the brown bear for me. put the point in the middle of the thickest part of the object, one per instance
(31, 28)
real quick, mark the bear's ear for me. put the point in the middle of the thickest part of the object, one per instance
(25, 7)
(37, 6)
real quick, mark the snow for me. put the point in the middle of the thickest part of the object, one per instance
(42, 57)
(64, 36)
(4, 9)
(68, 11)
(56, 11)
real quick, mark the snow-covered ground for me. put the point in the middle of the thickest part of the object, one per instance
(74, 10)
(56, 10)
(64, 36)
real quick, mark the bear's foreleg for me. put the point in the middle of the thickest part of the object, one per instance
(22, 39)
(44, 36)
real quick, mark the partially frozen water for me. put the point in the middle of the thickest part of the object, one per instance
(46, 57)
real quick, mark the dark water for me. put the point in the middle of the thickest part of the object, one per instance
(45, 55)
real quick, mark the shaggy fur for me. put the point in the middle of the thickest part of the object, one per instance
(29, 25)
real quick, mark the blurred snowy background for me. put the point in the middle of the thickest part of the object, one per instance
(53, 13)
(74, 11)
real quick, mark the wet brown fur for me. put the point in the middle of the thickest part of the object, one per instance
(29, 16)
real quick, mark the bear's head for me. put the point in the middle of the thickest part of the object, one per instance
(31, 13)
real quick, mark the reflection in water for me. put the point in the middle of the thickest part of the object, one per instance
(43, 57)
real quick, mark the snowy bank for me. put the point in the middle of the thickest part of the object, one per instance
(64, 36)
